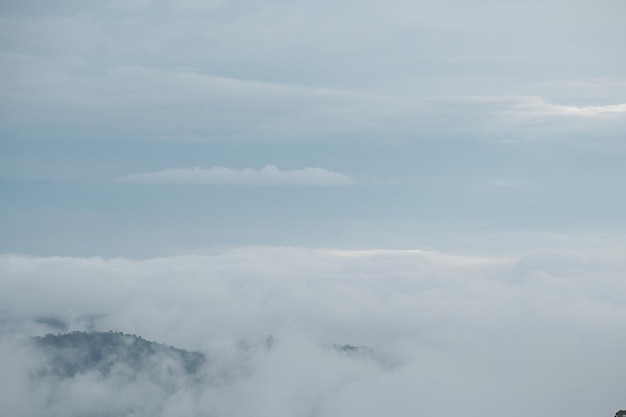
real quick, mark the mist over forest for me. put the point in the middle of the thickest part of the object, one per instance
(299, 332)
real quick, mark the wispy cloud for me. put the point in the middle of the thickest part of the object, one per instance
(538, 107)
(269, 175)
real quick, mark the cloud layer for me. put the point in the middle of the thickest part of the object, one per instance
(269, 71)
(269, 175)
(532, 335)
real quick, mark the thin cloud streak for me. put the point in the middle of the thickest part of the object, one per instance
(269, 175)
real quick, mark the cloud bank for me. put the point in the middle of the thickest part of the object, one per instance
(540, 334)
(269, 175)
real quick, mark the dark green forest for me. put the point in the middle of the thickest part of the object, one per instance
(78, 352)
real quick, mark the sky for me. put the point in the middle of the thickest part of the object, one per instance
(145, 128)
(441, 181)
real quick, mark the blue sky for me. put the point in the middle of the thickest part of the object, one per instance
(451, 125)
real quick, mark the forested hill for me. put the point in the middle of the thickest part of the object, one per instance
(79, 352)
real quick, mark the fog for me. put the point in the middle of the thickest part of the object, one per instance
(535, 334)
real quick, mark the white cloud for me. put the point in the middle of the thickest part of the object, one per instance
(537, 107)
(531, 106)
(540, 331)
(269, 175)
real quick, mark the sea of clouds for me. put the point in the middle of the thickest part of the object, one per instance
(542, 334)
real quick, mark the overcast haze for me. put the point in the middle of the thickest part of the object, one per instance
(439, 181)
